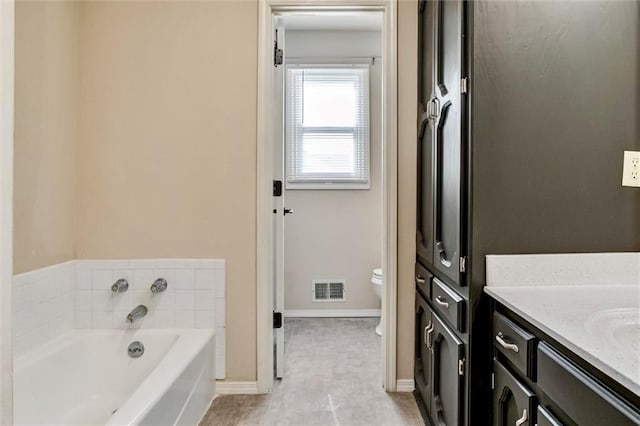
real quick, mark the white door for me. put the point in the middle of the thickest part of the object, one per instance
(278, 118)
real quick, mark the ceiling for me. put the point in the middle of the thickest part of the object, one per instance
(333, 21)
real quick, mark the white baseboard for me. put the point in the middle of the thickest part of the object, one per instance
(224, 387)
(405, 385)
(332, 313)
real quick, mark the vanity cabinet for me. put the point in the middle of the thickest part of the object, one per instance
(564, 389)
(439, 367)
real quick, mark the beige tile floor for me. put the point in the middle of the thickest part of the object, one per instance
(332, 377)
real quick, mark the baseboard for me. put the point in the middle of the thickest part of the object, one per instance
(224, 387)
(405, 385)
(332, 313)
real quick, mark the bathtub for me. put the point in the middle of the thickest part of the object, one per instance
(86, 377)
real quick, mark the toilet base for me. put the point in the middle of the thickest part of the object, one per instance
(379, 328)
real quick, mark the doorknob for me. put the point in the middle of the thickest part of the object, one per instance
(287, 211)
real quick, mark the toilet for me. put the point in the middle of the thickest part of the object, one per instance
(376, 281)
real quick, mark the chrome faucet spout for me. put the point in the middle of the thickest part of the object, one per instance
(137, 312)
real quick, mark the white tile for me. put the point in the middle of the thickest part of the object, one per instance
(163, 301)
(60, 325)
(101, 319)
(205, 279)
(101, 279)
(126, 274)
(185, 299)
(220, 313)
(83, 280)
(185, 279)
(172, 263)
(119, 320)
(142, 297)
(101, 300)
(69, 281)
(122, 301)
(220, 282)
(21, 296)
(143, 278)
(205, 319)
(165, 319)
(83, 300)
(169, 275)
(221, 341)
(205, 300)
(220, 368)
(82, 320)
(185, 319)
(143, 263)
(31, 340)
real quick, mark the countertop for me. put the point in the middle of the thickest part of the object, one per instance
(599, 320)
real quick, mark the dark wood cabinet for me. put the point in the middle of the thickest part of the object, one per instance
(513, 402)
(439, 367)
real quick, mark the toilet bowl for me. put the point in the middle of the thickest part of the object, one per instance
(376, 281)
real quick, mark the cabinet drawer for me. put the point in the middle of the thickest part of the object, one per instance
(513, 402)
(545, 418)
(516, 344)
(423, 280)
(582, 398)
(448, 303)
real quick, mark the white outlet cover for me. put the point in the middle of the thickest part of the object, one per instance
(631, 169)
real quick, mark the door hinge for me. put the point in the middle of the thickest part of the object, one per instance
(277, 188)
(277, 319)
(463, 264)
(493, 381)
(461, 367)
(464, 85)
(278, 54)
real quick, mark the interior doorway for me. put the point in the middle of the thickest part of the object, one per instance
(301, 156)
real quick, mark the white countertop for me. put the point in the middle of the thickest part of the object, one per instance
(598, 321)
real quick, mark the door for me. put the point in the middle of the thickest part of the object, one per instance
(425, 226)
(513, 403)
(278, 117)
(423, 364)
(446, 110)
(448, 374)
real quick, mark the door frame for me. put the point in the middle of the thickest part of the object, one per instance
(7, 55)
(264, 228)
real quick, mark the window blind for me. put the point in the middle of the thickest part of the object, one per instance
(327, 121)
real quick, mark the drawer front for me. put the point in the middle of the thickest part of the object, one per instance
(515, 343)
(423, 280)
(545, 418)
(513, 402)
(582, 398)
(423, 369)
(448, 303)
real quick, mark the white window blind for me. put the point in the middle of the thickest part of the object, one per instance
(327, 121)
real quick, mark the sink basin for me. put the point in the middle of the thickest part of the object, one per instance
(619, 328)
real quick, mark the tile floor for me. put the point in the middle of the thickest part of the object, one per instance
(332, 377)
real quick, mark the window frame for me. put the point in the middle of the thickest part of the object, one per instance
(329, 183)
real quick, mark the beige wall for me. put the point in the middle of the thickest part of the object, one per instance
(337, 234)
(46, 93)
(167, 145)
(407, 159)
(167, 156)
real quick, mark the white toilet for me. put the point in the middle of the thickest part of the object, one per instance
(376, 281)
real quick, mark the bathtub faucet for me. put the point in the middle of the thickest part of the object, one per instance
(137, 312)
(159, 286)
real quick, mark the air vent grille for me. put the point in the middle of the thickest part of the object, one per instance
(328, 291)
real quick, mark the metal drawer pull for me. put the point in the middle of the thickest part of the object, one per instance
(420, 280)
(522, 420)
(442, 303)
(500, 339)
(429, 342)
(426, 327)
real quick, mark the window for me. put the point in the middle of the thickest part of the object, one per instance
(327, 127)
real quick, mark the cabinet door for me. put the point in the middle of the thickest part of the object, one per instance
(512, 402)
(449, 136)
(448, 374)
(423, 362)
(426, 124)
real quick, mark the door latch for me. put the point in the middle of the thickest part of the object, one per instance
(277, 319)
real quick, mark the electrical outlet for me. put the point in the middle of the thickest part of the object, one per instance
(631, 169)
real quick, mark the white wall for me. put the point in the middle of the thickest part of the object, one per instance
(337, 233)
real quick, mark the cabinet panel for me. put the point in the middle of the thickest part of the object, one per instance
(448, 136)
(448, 374)
(448, 303)
(513, 402)
(423, 358)
(545, 418)
(583, 399)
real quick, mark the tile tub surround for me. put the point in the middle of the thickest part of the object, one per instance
(42, 305)
(583, 314)
(77, 294)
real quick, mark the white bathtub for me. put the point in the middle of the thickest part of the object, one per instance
(86, 377)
